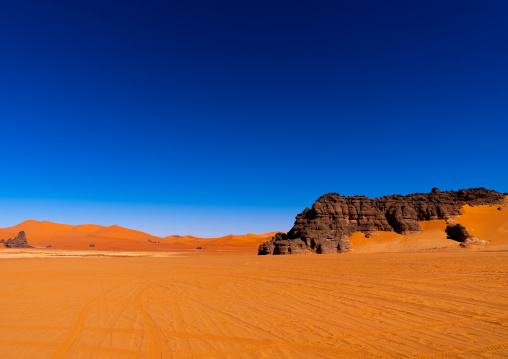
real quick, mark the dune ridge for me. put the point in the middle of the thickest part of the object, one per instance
(65, 236)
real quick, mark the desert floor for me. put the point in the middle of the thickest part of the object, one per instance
(239, 305)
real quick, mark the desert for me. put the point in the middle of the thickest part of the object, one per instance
(417, 295)
(253, 179)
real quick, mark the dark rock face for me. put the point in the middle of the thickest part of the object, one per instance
(457, 232)
(326, 227)
(18, 242)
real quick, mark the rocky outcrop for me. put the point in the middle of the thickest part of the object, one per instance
(17, 242)
(326, 227)
(459, 233)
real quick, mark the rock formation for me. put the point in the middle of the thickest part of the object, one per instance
(17, 242)
(459, 233)
(326, 227)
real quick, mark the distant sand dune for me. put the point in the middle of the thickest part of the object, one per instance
(64, 236)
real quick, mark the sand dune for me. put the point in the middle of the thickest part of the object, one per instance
(64, 236)
(485, 222)
(433, 237)
(237, 305)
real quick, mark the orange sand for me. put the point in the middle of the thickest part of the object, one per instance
(440, 301)
(115, 238)
(485, 222)
(433, 237)
(238, 305)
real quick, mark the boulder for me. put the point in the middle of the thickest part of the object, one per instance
(457, 232)
(460, 234)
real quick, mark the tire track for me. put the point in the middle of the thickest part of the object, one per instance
(471, 350)
(259, 344)
(180, 324)
(69, 344)
(157, 347)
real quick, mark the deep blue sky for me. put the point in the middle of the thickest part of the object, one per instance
(212, 117)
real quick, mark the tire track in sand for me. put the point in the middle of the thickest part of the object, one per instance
(69, 344)
(157, 347)
(470, 350)
(180, 324)
(256, 345)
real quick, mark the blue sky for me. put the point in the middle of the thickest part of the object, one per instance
(225, 117)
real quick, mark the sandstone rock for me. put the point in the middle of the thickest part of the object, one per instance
(460, 233)
(17, 242)
(457, 232)
(326, 227)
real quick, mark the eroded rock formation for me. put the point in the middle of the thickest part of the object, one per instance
(326, 227)
(459, 233)
(17, 242)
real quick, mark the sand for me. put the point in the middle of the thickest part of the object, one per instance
(418, 296)
(485, 222)
(235, 305)
(42, 234)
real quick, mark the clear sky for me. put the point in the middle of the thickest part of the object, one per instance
(218, 117)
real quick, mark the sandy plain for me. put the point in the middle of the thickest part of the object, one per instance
(421, 301)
